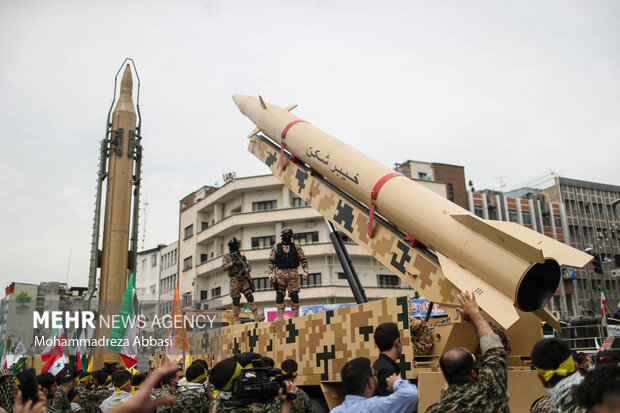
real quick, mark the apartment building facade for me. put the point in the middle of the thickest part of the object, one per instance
(23, 299)
(578, 213)
(452, 176)
(156, 276)
(254, 210)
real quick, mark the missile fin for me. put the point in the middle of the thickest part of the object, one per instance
(495, 304)
(500, 237)
(551, 248)
(544, 314)
(254, 132)
(291, 107)
(262, 102)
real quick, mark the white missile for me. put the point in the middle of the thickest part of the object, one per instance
(504, 263)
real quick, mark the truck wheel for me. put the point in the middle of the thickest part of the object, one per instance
(318, 405)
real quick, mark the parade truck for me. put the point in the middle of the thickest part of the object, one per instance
(436, 247)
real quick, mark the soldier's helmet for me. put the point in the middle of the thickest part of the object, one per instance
(233, 245)
(287, 235)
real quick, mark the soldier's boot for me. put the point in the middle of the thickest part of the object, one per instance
(258, 317)
(295, 313)
(280, 315)
(236, 311)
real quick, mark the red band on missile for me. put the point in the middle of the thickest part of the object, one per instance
(373, 198)
(286, 128)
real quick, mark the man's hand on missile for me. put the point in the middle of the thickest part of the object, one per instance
(469, 306)
(469, 310)
(305, 276)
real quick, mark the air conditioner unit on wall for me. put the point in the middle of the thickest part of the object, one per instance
(615, 273)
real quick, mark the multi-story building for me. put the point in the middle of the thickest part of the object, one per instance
(453, 176)
(156, 276)
(578, 213)
(22, 300)
(254, 210)
(592, 224)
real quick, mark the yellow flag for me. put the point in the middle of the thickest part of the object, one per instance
(90, 364)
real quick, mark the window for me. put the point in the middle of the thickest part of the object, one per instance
(203, 295)
(204, 225)
(342, 276)
(187, 263)
(187, 299)
(203, 258)
(144, 264)
(153, 260)
(152, 289)
(450, 192)
(264, 205)
(313, 280)
(512, 215)
(263, 242)
(527, 219)
(262, 284)
(189, 231)
(304, 238)
(298, 202)
(558, 221)
(388, 281)
(478, 211)
(216, 292)
(422, 175)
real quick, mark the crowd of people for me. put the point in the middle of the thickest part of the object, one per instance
(573, 382)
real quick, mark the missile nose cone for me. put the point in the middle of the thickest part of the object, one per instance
(242, 102)
(127, 81)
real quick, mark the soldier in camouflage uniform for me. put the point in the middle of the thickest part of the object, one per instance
(49, 388)
(470, 389)
(223, 376)
(302, 403)
(61, 403)
(192, 398)
(168, 387)
(232, 263)
(286, 256)
(93, 397)
(559, 374)
(122, 391)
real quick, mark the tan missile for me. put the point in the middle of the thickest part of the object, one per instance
(505, 264)
(116, 226)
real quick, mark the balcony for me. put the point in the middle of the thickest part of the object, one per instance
(244, 219)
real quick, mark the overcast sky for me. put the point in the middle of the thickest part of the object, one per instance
(510, 90)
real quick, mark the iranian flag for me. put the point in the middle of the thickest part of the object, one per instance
(80, 354)
(603, 308)
(54, 355)
(125, 331)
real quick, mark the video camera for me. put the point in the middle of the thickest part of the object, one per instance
(255, 385)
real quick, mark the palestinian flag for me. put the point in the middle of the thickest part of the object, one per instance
(125, 331)
(603, 308)
(54, 355)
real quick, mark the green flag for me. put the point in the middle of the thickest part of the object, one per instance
(123, 335)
